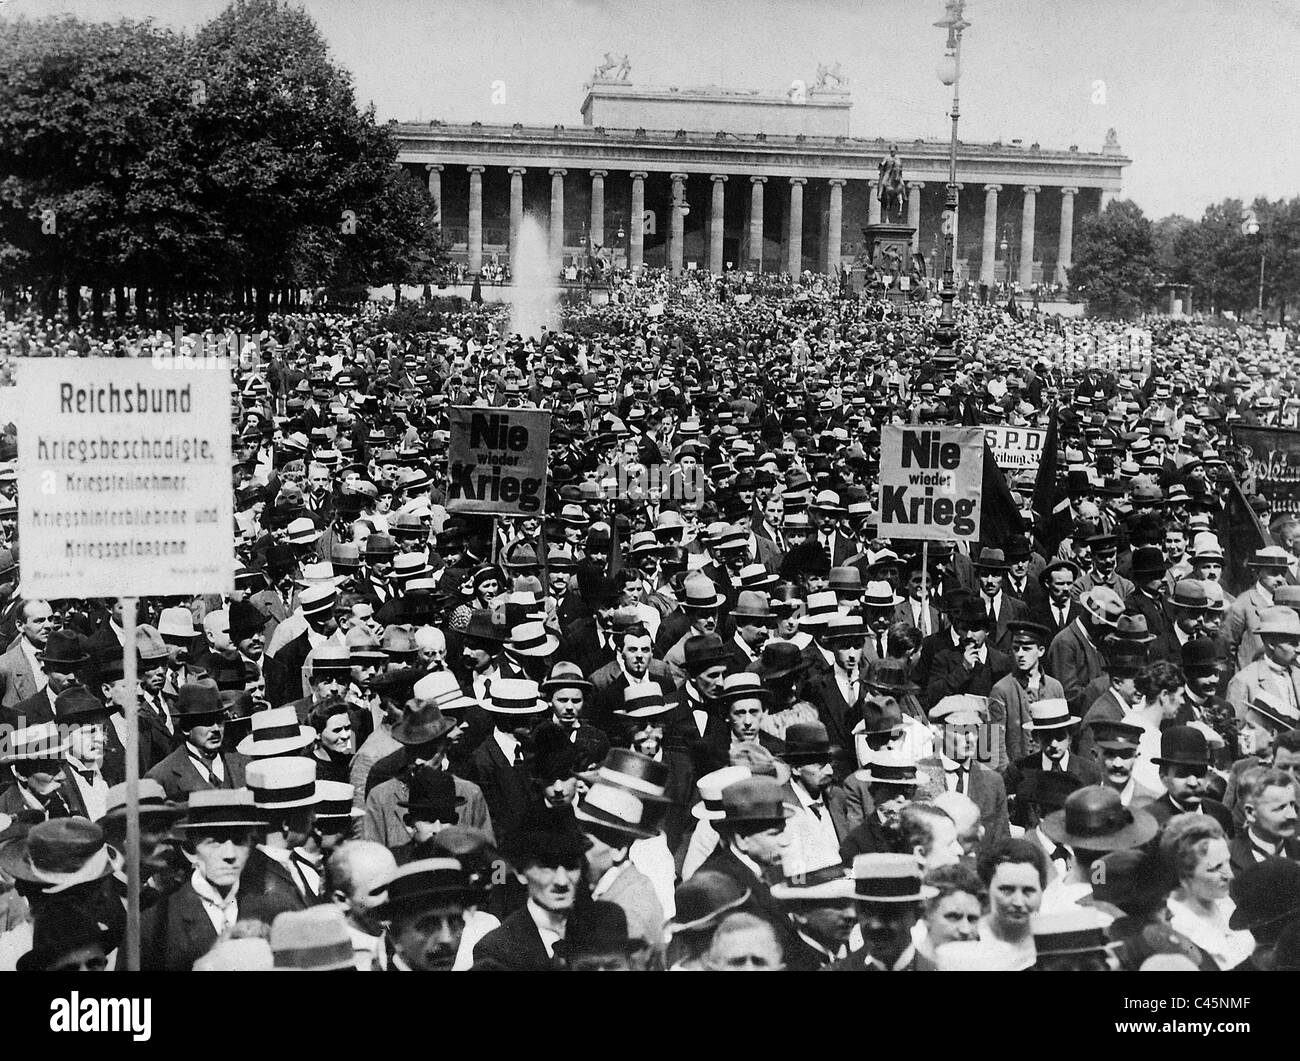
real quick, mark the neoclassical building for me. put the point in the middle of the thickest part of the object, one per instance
(767, 182)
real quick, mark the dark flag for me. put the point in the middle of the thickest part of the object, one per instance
(1051, 503)
(1245, 534)
(999, 516)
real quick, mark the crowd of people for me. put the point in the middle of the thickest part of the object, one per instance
(698, 713)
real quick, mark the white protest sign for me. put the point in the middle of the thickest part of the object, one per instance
(124, 478)
(496, 460)
(931, 481)
(1015, 447)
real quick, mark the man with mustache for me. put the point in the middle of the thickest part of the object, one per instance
(425, 904)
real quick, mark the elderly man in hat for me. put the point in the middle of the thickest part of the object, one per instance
(962, 738)
(1240, 633)
(889, 894)
(36, 780)
(199, 762)
(549, 862)
(218, 833)
(1276, 674)
(1074, 657)
(973, 666)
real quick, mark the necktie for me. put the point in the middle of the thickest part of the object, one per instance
(306, 869)
(87, 776)
(960, 775)
(1060, 616)
(519, 755)
(1062, 852)
(880, 646)
(816, 809)
(1057, 768)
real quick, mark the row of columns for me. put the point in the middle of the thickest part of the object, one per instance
(676, 242)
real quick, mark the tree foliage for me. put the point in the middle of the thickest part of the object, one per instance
(131, 155)
(1115, 260)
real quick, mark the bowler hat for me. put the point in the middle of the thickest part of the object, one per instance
(56, 937)
(1149, 561)
(808, 742)
(1201, 657)
(596, 929)
(754, 801)
(1183, 746)
(64, 651)
(197, 702)
(1094, 818)
(1133, 880)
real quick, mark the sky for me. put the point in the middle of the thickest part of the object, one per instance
(1201, 92)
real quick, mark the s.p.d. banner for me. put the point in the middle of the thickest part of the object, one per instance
(1272, 456)
(496, 460)
(1015, 447)
(931, 482)
(124, 478)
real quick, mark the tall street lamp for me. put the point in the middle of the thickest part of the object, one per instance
(1251, 228)
(946, 332)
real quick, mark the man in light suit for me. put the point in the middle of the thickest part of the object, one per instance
(1240, 628)
(21, 673)
(956, 767)
(1277, 673)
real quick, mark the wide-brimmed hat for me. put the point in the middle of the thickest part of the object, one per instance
(1278, 621)
(1183, 746)
(704, 900)
(825, 884)
(154, 804)
(1190, 594)
(482, 627)
(220, 808)
(425, 883)
(890, 768)
(64, 651)
(532, 639)
(744, 685)
(700, 593)
(880, 877)
(779, 661)
(282, 782)
(196, 702)
(1103, 604)
(566, 675)
(1051, 713)
(710, 786)
(880, 594)
(1094, 818)
(316, 939)
(756, 577)
(753, 605)
(991, 560)
(819, 608)
(618, 808)
(754, 801)
(515, 696)
(1071, 930)
(890, 676)
(423, 723)
(702, 651)
(808, 742)
(275, 731)
(302, 531)
(642, 701)
(60, 854)
(1130, 633)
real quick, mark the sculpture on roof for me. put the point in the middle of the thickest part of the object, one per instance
(827, 74)
(1112, 140)
(620, 66)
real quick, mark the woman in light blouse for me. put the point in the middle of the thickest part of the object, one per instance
(1196, 849)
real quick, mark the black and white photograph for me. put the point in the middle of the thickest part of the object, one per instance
(713, 485)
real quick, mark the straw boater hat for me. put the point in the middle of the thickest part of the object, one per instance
(710, 786)
(220, 808)
(888, 878)
(533, 640)
(1050, 714)
(276, 731)
(284, 782)
(642, 701)
(890, 768)
(515, 696)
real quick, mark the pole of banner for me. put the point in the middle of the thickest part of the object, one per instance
(129, 672)
(925, 582)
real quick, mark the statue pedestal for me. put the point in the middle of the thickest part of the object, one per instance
(889, 249)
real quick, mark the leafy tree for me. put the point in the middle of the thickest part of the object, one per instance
(1115, 265)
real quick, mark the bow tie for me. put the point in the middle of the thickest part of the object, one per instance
(86, 775)
(1060, 851)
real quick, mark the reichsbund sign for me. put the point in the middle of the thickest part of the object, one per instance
(124, 478)
(496, 460)
(931, 482)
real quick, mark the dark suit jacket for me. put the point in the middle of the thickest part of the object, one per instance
(580, 645)
(29, 712)
(867, 839)
(1163, 809)
(760, 897)
(1009, 610)
(175, 932)
(836, 714)
(284, 671)
(1044, 616)
(949, 675)
(984, 787)
(178, 777)
(1086, 770)
(514, 946)
(505, 786)
(266, 889)
(1241, 852)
